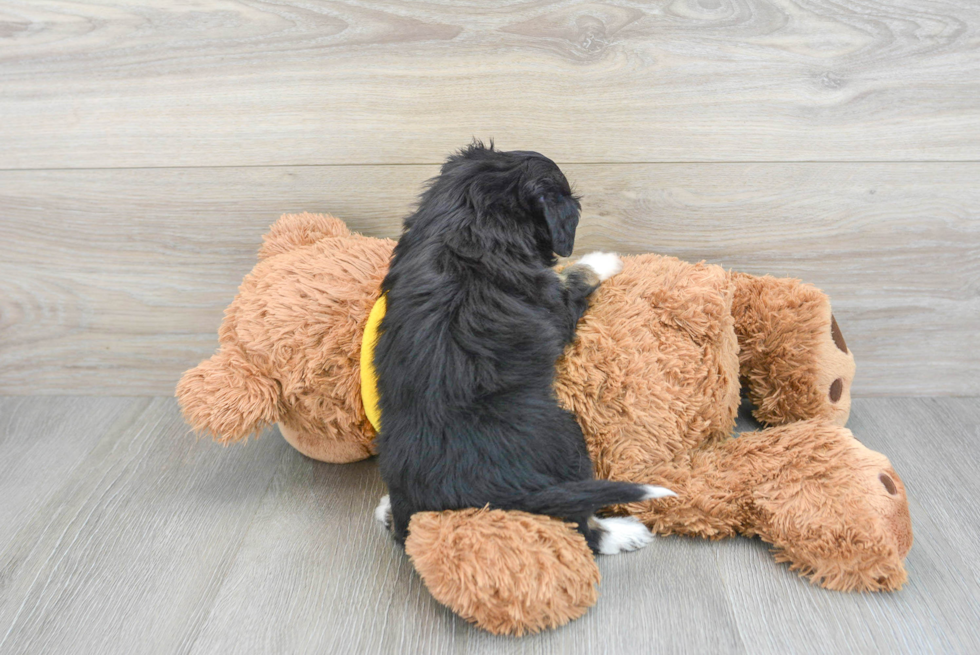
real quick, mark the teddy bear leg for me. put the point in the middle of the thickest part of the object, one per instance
(835, 510)
(293, 231)
(793, 360)
(508, 572)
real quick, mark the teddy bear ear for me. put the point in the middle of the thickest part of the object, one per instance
(294, 231)
(228, 398)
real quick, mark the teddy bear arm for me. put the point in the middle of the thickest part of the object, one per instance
(228, 397)
(793, 360)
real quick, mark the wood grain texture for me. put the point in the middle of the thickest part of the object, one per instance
(43, 440)
(156, 542)
(114, 281)
(127, 555)
(231, 82)
(316, 574)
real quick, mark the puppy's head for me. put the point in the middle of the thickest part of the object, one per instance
(518, 192)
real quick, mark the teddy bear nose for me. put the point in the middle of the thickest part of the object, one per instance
(888, 484)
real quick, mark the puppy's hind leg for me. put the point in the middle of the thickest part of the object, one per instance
(617, 534)
(397, 513)
(394, 520)
(382, 513)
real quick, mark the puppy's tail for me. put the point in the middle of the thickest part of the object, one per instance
(584, 497)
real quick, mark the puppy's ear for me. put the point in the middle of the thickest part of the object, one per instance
(561, 215)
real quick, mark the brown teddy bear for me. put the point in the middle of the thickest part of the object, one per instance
(654, 377)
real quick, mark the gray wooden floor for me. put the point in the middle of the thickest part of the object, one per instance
(122, 533)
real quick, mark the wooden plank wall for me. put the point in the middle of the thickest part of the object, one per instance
(144, 148)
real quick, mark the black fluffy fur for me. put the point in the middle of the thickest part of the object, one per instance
(466, 356)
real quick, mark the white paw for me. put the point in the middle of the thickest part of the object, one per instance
(605, 264)
(382, 512)
(657, 492)
(622, 534)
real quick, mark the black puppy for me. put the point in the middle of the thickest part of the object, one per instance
(466, 356)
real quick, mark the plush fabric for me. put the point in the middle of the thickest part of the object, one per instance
(792, 365)
(654, 377)
(507, 572)
(291, 343)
